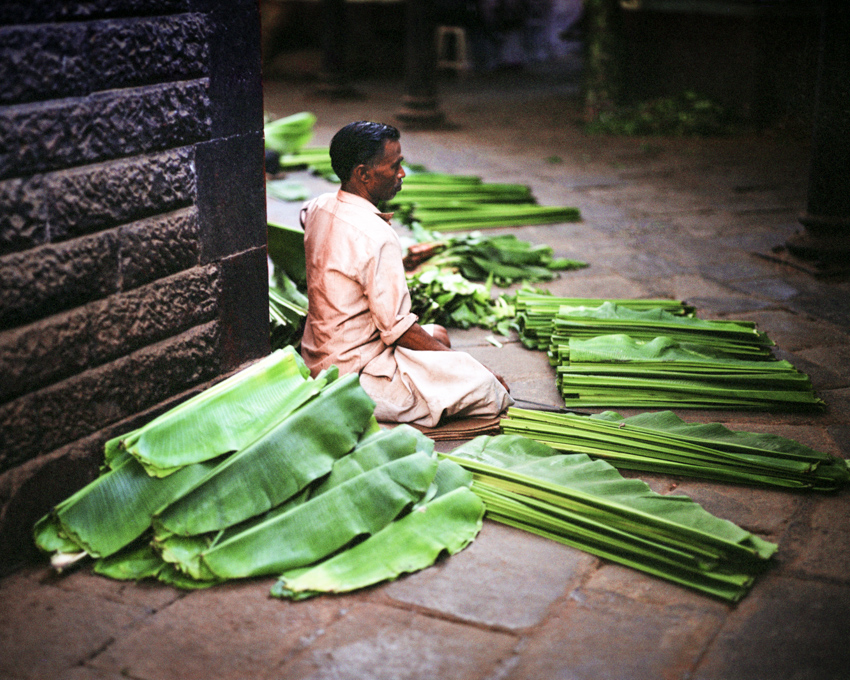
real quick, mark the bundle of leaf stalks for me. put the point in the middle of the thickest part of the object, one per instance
(445, 202)
(502, 259)
(664, 443)
(736, 338)
(618, 371)
(587, 504)
(536, 312)
(268, 473)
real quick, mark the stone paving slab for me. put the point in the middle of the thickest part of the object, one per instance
(507, 579)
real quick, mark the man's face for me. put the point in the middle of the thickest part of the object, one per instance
(385, 174)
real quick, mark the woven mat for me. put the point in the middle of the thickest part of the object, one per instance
(463, 428)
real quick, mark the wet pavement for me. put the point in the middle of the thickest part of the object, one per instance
(692, 219)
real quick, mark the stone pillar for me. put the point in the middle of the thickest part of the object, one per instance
(333, 77)
(826, 238)
(132, 228)
(420, 107)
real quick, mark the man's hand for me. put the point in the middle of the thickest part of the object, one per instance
(419, 252)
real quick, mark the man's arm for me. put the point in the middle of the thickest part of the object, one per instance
(418, 338)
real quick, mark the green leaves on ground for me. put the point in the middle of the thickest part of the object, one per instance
(662, 442)
(616, 370)
(287, 135)
(449, 299)
(444, 202)
(502, 259)
(587, 504)
(317, 478)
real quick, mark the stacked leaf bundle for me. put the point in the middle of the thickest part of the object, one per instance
(616, 370)
(268, 473)
(446, 202)
(663, 442)
(734, 338)
(586, 504)
(536, 312)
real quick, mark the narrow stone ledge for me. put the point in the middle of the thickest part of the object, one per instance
(42, 421)
(64, 133)
(49, 279)
(158, 247)
(63, 345)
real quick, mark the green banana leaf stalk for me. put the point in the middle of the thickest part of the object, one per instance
(287, 135)
(735, 338)
(471, 216)
(616, 370)
(586, 504)
(536, 312)
(444, 524)
(662, 442)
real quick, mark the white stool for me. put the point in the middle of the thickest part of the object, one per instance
(451, 48)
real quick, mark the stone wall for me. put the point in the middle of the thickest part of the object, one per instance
(132, 227)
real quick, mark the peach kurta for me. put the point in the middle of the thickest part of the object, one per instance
(359, 306)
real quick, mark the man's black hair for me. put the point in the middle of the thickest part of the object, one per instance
(356, 143)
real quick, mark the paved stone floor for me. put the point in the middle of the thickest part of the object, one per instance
(689, 219)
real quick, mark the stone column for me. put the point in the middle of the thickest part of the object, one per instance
(333, 77)
(420, 107)
(826, 238)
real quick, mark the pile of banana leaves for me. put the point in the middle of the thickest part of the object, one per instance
(618, 371)
(536, 312)
(503, 259)
(268, 473)
(447, 298)
(587, 504)
(446, 202)
(662, 442)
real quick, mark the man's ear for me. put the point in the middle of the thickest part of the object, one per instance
(361, 172)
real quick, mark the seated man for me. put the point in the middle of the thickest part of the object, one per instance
(359, 315)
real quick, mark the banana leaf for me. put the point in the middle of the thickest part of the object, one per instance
(114, 509)
(662, 442)
(736, 338)
(286, 251)
(230, 414)
(616, 370)
(588, 505)
(445, 524)
(301, 448)
(493, 215)
(536, 312)
(312, 530)
(376, 448)
(287, 135)
(133, 563)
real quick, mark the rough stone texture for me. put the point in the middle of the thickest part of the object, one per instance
(83, 55)
(231, 195)
(42, 421)
(158, 247)
(27, 11)
(49, 622)
(47, 280)
(48, 136)
(650, 641)
(99, 196)
(23, 221)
